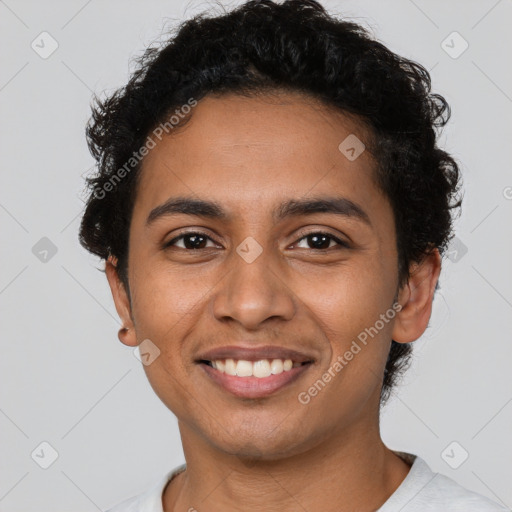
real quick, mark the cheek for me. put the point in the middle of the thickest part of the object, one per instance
(346, 300)
(165, 295)
(164, 305)
(348, 311)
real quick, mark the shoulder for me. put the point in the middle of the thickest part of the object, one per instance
(151, 500)
(426, 491)
(443, 493)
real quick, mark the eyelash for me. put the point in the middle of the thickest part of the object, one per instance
(341, 243)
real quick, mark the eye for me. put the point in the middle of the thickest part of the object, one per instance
(191, 241)
(321, 241)
(197, 240)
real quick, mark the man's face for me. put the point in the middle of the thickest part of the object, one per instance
(305, 293)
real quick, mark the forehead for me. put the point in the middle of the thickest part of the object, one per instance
(244, 152)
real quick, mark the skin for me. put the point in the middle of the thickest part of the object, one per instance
(273, 453)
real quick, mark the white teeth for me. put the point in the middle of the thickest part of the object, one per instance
(276, 366)
(230, 367)
(261, 369)
(244, 368)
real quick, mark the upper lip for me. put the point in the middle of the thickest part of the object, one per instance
(254, 354)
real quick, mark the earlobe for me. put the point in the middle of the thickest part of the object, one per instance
(416, 298)
(126, 334)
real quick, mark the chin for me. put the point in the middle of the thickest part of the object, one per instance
(263, 447)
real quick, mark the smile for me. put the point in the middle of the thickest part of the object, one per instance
(253, 379)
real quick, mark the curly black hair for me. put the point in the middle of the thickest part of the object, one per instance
(262, 47)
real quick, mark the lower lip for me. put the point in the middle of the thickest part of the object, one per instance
(254, 387)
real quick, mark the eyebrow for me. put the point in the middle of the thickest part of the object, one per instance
(290, 208)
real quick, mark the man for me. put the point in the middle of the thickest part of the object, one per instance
(272, 208)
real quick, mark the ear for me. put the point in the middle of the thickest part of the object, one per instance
(122, 303)
(416, 298)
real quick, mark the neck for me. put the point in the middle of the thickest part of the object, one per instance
(352, 470)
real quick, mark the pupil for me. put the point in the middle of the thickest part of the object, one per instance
(197, 240)
(318, 240)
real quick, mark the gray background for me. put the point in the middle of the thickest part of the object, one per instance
(67, 380)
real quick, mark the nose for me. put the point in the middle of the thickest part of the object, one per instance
(252, 293)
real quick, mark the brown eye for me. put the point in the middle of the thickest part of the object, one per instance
(191, 241)
(321, 241)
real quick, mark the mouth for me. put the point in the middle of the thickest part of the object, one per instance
(261, 368)
(254, 379)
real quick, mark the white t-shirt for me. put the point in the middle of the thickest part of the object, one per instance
(421, 491)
